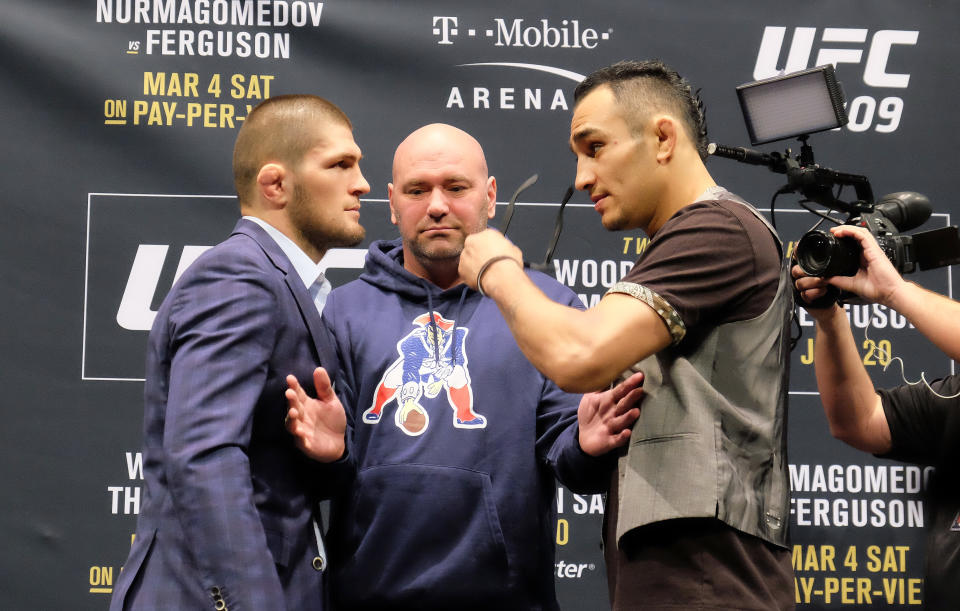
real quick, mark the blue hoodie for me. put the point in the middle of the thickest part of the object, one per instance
(454, 440)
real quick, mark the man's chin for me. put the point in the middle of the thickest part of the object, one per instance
(612, 222)
(438, 249)
(349, 236)
(354, 236)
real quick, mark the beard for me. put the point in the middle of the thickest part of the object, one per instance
(320, 230)
(434, 249)
(613, 222)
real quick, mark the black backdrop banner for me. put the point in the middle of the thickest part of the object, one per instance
(119, 117)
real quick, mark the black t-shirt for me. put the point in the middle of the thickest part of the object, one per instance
(925, 429)
(713, 261)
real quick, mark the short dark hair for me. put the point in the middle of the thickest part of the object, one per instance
(644, 87)
(281, 128)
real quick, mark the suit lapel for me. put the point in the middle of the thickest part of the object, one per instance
(308, 309)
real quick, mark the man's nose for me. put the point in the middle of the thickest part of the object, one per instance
(361, 186)
(585, 175)
(438, 203)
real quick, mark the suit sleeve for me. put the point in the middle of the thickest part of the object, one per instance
(339, 474)
(222, 330)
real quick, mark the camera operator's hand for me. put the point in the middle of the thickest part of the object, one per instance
(810, 289)
(936, 316)
(876, 280)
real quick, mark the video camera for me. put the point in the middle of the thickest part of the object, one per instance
(810, 101)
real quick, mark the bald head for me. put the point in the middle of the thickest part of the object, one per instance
(438, 143)
(441, 193)
(280, 130)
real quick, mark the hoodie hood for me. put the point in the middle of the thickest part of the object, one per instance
(384, 270)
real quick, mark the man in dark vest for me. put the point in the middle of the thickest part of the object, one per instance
(698, 507)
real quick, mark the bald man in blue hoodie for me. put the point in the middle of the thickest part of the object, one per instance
(454, 439)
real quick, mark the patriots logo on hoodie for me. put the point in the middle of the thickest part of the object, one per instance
(432, 360)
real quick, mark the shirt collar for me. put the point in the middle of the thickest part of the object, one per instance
(310, 273)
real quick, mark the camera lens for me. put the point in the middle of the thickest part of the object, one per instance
(820, 253)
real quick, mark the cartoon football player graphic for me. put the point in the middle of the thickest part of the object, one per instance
(432, 358)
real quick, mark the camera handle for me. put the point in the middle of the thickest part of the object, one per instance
(804, 176)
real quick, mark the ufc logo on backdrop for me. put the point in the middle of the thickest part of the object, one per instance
(855, 49)
(839, 46)
(138, 246)
(135, 312)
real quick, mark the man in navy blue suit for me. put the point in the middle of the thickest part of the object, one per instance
(227, 520)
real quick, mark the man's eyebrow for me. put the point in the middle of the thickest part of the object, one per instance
(581, 135)
(457, 178)
(347, 154)
(416, 182)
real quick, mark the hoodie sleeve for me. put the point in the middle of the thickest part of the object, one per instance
(558, 444)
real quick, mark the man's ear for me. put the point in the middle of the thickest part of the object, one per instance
(665, 129)
(491, 197)
(273, 185)
(394, 217)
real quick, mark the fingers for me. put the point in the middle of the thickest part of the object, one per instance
(621, 390)
(804, 282)
(811, 295)
(622, 438)
(293, 384)
(623, 421)
(615, 441)
(860, 233)
(810, 288)
(299, 395)
(293, 402)
(630, 384)
(628, 401)
(292, 421)
(321, 383)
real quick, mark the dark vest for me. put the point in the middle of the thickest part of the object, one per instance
(711, 438)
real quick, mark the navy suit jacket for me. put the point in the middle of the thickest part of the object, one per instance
(227, 515)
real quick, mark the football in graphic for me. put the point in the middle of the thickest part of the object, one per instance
(414, 422)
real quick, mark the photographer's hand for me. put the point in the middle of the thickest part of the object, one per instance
(876, 280)
(937, 317)
(810, 289)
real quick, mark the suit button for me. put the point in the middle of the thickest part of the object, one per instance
(215, 592)
(318, 563)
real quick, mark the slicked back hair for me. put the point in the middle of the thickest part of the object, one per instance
(280, 129)
(643, 88)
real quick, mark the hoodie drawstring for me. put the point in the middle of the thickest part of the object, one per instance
(436, 327)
